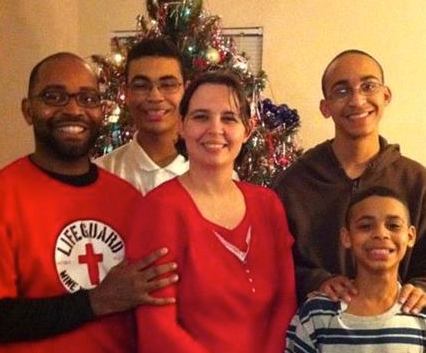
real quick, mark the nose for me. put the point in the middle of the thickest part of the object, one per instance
(356, 98)
(72, 107)
(215, 124)
(381, 232)
(155, 94)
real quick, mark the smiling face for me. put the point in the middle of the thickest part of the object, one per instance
(378, 234)
(357, 115)
(154, 112)
(212, 128)
(63, 132)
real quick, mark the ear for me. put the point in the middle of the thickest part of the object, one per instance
(411, 236)
(27, 111)
(105, 109)
(180, 128)
(249, 129)
(126, 92)
(324, 108)
(345, 238)
(387, 94)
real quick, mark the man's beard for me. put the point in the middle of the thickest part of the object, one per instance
(44, 132)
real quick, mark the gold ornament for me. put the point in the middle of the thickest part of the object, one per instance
(212, 55)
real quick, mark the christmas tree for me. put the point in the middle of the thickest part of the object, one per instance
(272, 146)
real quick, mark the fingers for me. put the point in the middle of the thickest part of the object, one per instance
(420, 305)
(149, 300)
(161, 283)
(339, 288)
(314, 293)
(149, 281)
(155, 271)
(405, 292)
(149, 286)
(413, 299)
(150, 259)
(334, 291)
(142, 279)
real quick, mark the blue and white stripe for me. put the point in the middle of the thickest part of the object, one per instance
(321, 325)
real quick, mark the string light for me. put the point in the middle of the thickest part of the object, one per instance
(272, 146)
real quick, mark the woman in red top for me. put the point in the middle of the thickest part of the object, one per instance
(230, 239)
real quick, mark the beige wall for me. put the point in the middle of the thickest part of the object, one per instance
(29, 31)
(300, 37)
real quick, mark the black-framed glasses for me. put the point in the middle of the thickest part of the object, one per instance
(60, 98)
(343, 92)
(165, 86)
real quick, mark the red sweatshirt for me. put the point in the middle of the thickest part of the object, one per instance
(56, 238)
(223, 304)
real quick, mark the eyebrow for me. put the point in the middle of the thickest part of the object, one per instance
(91, 89)
(395, 218)
(63, 88)
(363, 79)
(146, 78)
(54, 87)
(364, 218)
(198, 111)
(388, 218)
(230, 112)
(206, 111)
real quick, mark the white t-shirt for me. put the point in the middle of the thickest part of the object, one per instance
(132, 163)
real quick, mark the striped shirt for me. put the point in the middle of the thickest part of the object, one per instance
(322, 325)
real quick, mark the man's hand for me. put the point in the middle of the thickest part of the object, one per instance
(129, 285)
(413, 299)
(338, 288)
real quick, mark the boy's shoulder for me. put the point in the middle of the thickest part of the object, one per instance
(319, 306)
(421, 314)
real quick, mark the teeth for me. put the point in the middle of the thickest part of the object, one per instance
(213, 145)
(359, 116)
(379, 251)
(155, 113)
(71, 129)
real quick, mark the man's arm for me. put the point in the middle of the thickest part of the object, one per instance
(124, 287)
(312, 280)
(338, 288)
(309, 275)
(413, 267)
(29, 319)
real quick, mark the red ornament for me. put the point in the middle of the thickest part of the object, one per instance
(200, 63)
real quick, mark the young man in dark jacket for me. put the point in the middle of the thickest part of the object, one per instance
(316, 189)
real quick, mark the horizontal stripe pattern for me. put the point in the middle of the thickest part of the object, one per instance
(321, 325)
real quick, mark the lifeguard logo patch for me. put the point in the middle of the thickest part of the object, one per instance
(84, 253)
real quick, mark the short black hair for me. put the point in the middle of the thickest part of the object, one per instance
(34, 72)
(222, 78)
(349, 52)
(160, 47)
(373, 191)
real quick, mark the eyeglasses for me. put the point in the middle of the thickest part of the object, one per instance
(165, 86)
(367, 88)
(60, 98)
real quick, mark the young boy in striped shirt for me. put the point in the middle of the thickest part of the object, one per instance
(378, 231)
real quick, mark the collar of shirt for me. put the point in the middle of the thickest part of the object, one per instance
(178, 166)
